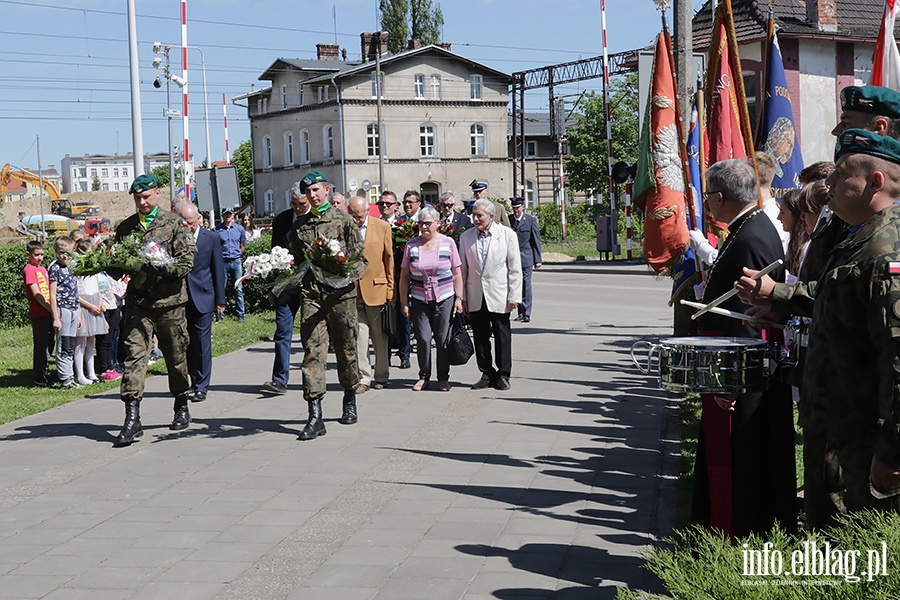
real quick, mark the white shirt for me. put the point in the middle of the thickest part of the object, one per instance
(770, 207)
(363, 228)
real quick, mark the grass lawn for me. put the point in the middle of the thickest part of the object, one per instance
(19, 398)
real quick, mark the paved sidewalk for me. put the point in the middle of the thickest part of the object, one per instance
(549, 490)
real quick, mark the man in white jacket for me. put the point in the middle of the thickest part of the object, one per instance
(492, 287)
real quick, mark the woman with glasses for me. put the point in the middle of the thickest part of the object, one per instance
(430, 295)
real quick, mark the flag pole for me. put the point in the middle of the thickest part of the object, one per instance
(767, 66)
(701, 160)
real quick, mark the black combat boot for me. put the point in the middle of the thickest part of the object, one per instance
(132, 427)
(315, 426)
(349, 417)
(182, 415)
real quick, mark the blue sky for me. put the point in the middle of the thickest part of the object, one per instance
(65, 62)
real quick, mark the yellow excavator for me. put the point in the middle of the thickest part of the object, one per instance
(7, 173)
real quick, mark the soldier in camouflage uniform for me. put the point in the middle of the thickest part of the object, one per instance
(324, 310)
(155, 303)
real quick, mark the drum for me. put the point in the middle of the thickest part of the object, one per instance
(711, 365)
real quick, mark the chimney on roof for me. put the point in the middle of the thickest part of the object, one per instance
(369, 44)
(822, 14)
(327, 51)
(344, 54)
(445, 46)
(413, 44)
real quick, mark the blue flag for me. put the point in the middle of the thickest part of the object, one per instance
(778, 134)
(684, 271)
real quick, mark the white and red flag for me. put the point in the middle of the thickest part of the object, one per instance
(886, 61)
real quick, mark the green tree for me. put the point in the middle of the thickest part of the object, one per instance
(242, 159)
(162, 176)
(95, 184)
(587, 165)
(404, 20)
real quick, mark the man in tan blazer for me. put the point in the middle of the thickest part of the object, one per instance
(375, 287)
(492, 287)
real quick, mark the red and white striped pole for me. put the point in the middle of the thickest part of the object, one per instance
(225, 118)
(186, 153)
(628, 220)
(614, 225)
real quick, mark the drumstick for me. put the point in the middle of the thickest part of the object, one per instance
(727, 313)
(734, 291)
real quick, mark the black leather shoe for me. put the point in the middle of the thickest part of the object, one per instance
(502, 383)
(484, 382)
(132, 428)
(198, 397)
(182, 418)
(526, 319)
(315, 427)
(404, 363)
(519, 318)
(273, 387)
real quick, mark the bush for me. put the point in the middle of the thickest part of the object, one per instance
(700, 564)
(13, 259)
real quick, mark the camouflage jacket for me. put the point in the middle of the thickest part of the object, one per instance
(853, 362)
(333, 225)
(152, 291)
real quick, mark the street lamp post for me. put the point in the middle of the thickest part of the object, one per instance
(158, 48)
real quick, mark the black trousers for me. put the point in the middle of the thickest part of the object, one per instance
(42, 334)
(484, 325)
(105, 342)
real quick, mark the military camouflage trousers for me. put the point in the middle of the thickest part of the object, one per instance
(320, 319)
(170, 326)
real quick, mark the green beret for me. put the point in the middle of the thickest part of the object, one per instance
(311, 178)
(143, 183)
(871, 99)
(862, 141)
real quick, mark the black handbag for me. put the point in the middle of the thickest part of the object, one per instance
(459, 346)
(389, 319)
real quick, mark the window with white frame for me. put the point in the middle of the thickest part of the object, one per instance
(265, 105)
(477, 139)
(288, 148)
(125, 172)
(284, 103)
(105, 187)
(269, 202)
(82, 171)
(375, 84)
(419, 86)
(531, 148)
(116, 187)
(93, 172)
(435, 87)
(475, 83)
(373, 139)
(328, 141)
(427, 140)
(104, 172)
(530, 187)
(300, 93)
(259, 106)
(304, 147)
(267, 152)
(115, 172)
(324, 93)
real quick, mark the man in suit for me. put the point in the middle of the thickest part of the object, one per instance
(529, 236)
(286, 313)
(389, 207)
(450, 216)
(206, 295)
(744, 472)
(492, 287)
(480, 191)
(373, 290)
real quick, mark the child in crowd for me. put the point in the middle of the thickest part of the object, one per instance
(112, 291)
(93, 321)
(64, 304)
(37, 291)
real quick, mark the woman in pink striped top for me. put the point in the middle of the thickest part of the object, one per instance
(430, 295)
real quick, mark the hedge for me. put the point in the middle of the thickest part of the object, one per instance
(13, 259)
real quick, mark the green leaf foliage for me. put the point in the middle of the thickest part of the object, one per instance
(404, 20)
(13, 259)
(242, 159)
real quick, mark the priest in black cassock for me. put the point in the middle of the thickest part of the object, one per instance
(744, 475)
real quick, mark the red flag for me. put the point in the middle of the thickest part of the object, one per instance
(886, 60)
(661, 171)
(728, 119)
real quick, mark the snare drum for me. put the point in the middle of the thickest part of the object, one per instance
(713, 365)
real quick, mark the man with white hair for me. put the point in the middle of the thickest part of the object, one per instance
(492, 287)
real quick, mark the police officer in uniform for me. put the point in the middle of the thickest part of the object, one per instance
(325, 311)
(155, 303)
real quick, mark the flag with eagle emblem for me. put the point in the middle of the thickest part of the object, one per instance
(660, 181)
